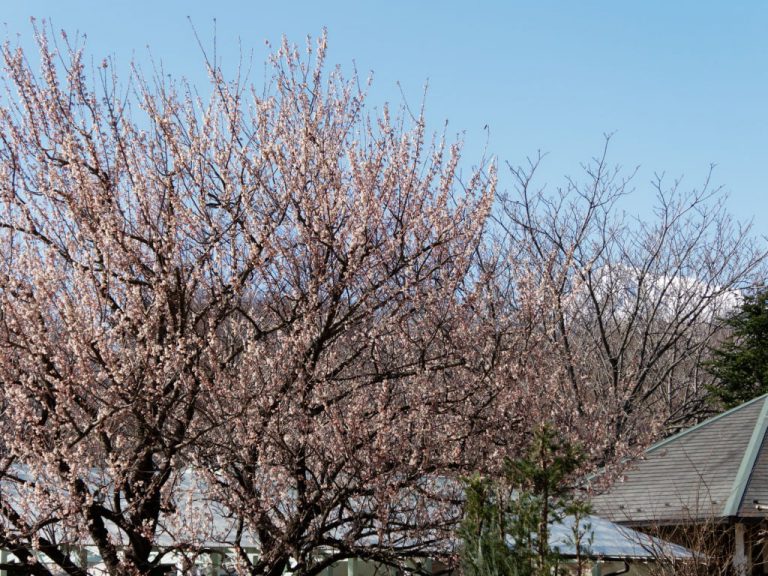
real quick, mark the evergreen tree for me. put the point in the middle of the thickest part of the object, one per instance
(740, 363)
(505, 531)
(486, 550)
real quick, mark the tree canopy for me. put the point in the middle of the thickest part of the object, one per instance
(241, 321)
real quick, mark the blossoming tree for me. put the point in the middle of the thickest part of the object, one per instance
(238, 320)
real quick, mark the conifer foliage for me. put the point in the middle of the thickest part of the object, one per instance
(740, 362)
(505, 530)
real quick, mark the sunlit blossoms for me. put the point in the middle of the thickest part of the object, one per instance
(239, 320)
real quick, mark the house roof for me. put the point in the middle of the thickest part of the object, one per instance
(606, 540)
(713, 471)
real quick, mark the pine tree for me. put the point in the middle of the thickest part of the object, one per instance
(505, 531)
(740, 363)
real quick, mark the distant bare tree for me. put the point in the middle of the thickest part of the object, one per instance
(634, 303)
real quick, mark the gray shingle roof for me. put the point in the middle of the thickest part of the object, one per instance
(713, 471)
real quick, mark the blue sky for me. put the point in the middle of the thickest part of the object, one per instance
(681, 84)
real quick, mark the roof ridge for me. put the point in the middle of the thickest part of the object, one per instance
(744, 474)
(707, 422)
